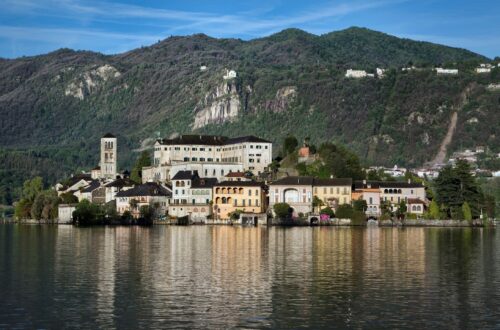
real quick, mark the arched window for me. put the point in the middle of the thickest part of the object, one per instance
(413, 208)
(217, 190)
(235, 190)
(217, 200)
(224, 201)
(419, 208)
(386, 191)
(399, 191)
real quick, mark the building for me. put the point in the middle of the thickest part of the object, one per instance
(356, 73)
(296, 191)
(237, 176)
(230, 74)
(65, 213)
(73, 184)
(152, 194)
(210, 156)
(246, 196)
(191, 196)
(333, 192)
(108, 156)
(115, 186)
(441, 71)
(483, 70)
(372, 198)
(392, 192)
(415, 206)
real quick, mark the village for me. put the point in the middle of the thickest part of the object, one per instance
(220, 180)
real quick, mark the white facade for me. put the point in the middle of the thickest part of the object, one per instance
(108, 157)
(65, 213)
(355, 73)
(483, 70)
(211, 156)
(447, 71)
(230, 74)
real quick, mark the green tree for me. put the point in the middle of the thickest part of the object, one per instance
(31, 188)
(317, 202)
(290, 144)
(466, 211)
(434, 211)
(22, 209)
(45, 205)
(87, 213)
(401, 211)
(68, 198)
(282, 210)
(143, 160)
(360, 205)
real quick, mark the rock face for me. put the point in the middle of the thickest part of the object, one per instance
(88, 82)
(219, 106)
(284, 97)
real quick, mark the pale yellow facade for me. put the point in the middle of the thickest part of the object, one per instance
(333, 195)
(230, 196)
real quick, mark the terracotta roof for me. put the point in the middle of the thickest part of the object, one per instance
(235, 175)
(415, 201)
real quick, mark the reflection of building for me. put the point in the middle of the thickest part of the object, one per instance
(229, 196)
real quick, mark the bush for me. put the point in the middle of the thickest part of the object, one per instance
(87, 214)
(358, 218)
(328, 211)
(345, 211)
(411, 216)
(360, 205)
(282, 210)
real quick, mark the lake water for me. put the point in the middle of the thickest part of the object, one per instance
(226, 277)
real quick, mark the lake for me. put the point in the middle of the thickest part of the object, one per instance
(227, 277)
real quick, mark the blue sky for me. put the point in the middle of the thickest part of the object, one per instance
(29, 27)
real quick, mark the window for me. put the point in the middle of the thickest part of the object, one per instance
(235, 202)
(194, 159)
(256, 192)
(251, 146)
(242, 202)
(210, 159)
(202, 159)
(186, 159)
(256, 202)
(371, 200)
(194, 149)
(338, 190)
(324, 190)
(194, 202)
(206, 172)
(249, 192)
(249, 202)
(411, 191)
(202, 149)
(331, 190)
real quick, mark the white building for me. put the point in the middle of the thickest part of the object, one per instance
(356, 73)
(230, 74)
(380, 72)
(483, 70)
(442, 71)
(191, 196)
(211, 156)
(65, 213)
(148, 194)
(108, 156)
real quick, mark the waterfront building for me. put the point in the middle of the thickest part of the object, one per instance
(65, 213)
(333, 192)
(191, 196)
(296, 191)
(210, 156)
(246, 196)
(151, 193)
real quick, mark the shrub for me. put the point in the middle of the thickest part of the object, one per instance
(328, 211)
(345, 211)
(358, 218)
(282, 210)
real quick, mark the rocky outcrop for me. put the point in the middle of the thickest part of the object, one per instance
(88, 82)
(284, 97)
(219, 106)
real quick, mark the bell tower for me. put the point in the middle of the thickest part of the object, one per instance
(108, 156)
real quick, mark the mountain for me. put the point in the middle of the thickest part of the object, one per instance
(55, 107)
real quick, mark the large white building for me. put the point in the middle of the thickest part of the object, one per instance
(210, 156)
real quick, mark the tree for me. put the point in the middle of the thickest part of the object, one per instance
(290, 144)
(360, 205)
(22, 209)
(317, 202)
(434, 211)
(344, 211)
(133, 203)
(146, 215)
(466, 211)
(68, 198)
(282, 210)
(31, 188)
(45, 205)
(87, 213)
(401, 209)
(454, 187)
(328, 211)
(143, 160)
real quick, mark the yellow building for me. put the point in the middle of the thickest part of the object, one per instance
(229, 196)
(333, 192)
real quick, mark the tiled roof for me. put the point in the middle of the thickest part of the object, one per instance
(294, 181)
(333, 182)
(210, 140)
(108, 135)
(387, 184)
(92, 186)
(120, 183)
(415, 201)
(239, 184)
(235, 175)
(146, 189)
(185, 175)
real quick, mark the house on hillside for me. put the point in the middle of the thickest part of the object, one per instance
(147, 194)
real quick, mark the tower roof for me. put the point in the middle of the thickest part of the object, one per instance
(108, 135)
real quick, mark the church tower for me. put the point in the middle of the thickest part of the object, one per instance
(108, 156)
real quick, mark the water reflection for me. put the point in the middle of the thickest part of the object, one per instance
(220, 277)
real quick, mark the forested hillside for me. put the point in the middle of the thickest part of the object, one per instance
(55, 107)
